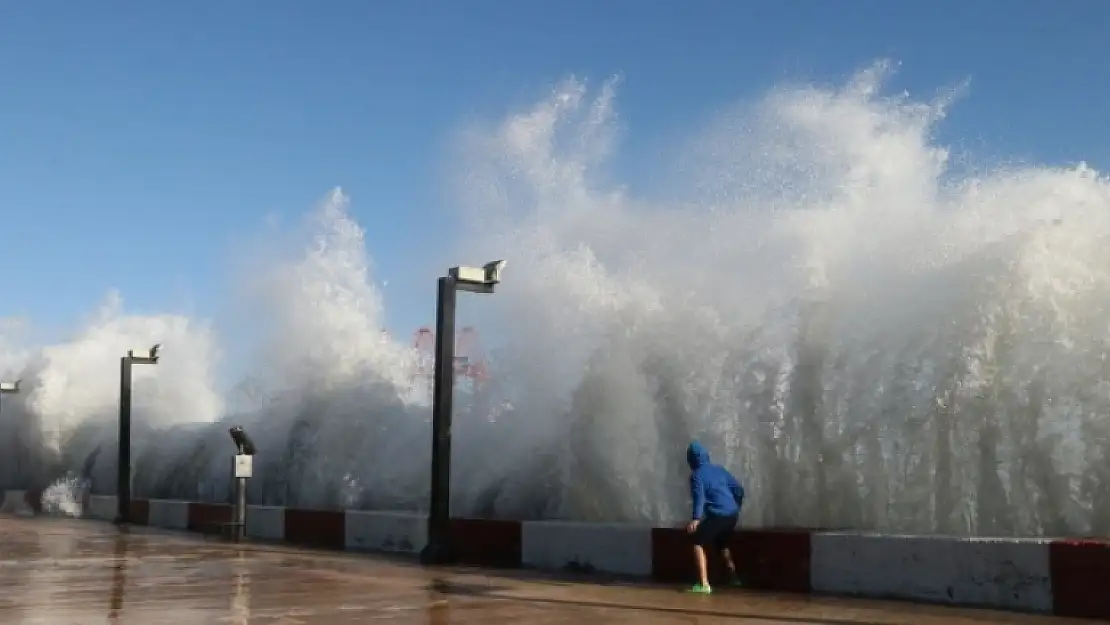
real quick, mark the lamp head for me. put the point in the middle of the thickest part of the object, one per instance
(493, 271)
(145, 355)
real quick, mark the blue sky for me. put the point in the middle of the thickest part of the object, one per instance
(175, 128)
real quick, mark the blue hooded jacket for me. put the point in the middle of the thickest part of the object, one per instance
(714, 490)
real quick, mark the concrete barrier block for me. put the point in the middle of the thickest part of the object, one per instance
(1000, 573)
(321, 529)
(1080, 570)
(587, 547)
(15, 503)
(395, 532)
(486, 542)
(168, 514)
(101, 507)
(266, 522)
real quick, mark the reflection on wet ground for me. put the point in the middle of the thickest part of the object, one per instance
(62, 572)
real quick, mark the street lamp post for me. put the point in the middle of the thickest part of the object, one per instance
(12, 388)
(473, 280)
(123, 475)
(8, 388)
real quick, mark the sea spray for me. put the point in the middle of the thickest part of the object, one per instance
(64, 497)
(869, 338)
(872, 339)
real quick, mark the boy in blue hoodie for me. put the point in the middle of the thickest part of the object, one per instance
(717, 497)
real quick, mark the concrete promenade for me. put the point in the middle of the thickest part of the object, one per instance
(68, 572)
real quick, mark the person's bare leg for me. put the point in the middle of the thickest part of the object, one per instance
(703, 565)
(727, 555)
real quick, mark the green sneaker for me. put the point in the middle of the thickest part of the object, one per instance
(699, 589)
(736, 582)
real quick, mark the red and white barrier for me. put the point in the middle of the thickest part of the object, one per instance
(18, 503)
(1056, 576)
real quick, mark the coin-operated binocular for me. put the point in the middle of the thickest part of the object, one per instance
(243, 470)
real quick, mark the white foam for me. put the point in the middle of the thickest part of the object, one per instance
(870, 337)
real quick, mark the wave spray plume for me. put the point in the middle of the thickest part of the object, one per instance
(871, 338)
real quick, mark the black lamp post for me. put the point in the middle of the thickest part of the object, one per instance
(473, 280)
(123, 475)
(12, 388)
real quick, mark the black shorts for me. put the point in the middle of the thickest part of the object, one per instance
(714, 531)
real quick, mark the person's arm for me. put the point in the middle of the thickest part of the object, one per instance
(736, 489)
(697, 494)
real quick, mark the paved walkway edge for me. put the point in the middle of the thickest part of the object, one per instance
(1064, 577)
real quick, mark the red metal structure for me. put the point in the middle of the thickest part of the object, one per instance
(470, 358)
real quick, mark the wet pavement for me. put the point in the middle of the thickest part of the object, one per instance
(65, 572)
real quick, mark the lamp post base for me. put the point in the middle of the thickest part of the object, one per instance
(437, 553)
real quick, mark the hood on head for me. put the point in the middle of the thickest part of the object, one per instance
(696, 455)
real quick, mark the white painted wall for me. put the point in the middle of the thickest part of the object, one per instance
(101, 507)
(15, 502)
(266, 522)
(1004, 573)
